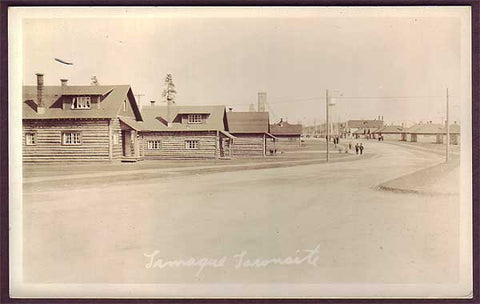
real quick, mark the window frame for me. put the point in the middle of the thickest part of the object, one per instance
(154, 144)
(194, 118)
(34, 137)
(64, 143)
(86, 103)
(188, 143)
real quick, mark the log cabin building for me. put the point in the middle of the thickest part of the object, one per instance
(252, 133)
(79, 123)
(288, 135)
(183, 132)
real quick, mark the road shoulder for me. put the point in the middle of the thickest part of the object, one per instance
(440, 179)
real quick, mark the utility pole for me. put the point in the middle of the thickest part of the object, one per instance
(448, 132)
(326, 111)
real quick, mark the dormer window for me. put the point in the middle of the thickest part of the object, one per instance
(194, 118)
(81, 102)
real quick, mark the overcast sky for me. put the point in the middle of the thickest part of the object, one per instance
(222, 60)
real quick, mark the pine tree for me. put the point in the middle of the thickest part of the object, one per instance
(169, 91)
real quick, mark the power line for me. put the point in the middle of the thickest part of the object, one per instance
(352, 98)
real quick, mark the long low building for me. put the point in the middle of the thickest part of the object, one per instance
(183, 132)
(433, 133)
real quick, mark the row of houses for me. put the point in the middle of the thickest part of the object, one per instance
(421, 132)
(104, 123)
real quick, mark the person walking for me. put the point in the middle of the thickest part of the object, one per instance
(357, 148)
(361, 148)
(350, 145)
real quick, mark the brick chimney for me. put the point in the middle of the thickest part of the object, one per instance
(262, 100)
(40, 105)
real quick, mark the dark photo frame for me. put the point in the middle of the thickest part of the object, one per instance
(221, 145)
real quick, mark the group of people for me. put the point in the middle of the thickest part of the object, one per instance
(358, 147)
(335, 139)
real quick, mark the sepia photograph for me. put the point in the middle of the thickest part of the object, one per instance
(240, 152)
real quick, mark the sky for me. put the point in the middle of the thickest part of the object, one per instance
(395, 66)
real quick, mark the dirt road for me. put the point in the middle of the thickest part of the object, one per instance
(110, 233)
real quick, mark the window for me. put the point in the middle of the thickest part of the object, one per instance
(125, 105)
(153, 145)
(81, 102)
(30, 139)
(191, 144)
(71, 138)
(194, 118)
(115, 138)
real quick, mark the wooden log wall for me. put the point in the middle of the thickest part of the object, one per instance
(49, 148)
(172, 145)
(248, 145)
(117, 148)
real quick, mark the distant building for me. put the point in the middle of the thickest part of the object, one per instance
(426, 132)
(372, 124)
(251, 131)
(363, 127)
(391, 132)
(79, 123)
(262, 101)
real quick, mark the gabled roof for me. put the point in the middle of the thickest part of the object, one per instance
(391, 129)
(156, 118)
(284, 128)
(248, 122)
(86, 90)
(110, 106)
(426, 129)
(365, 123)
